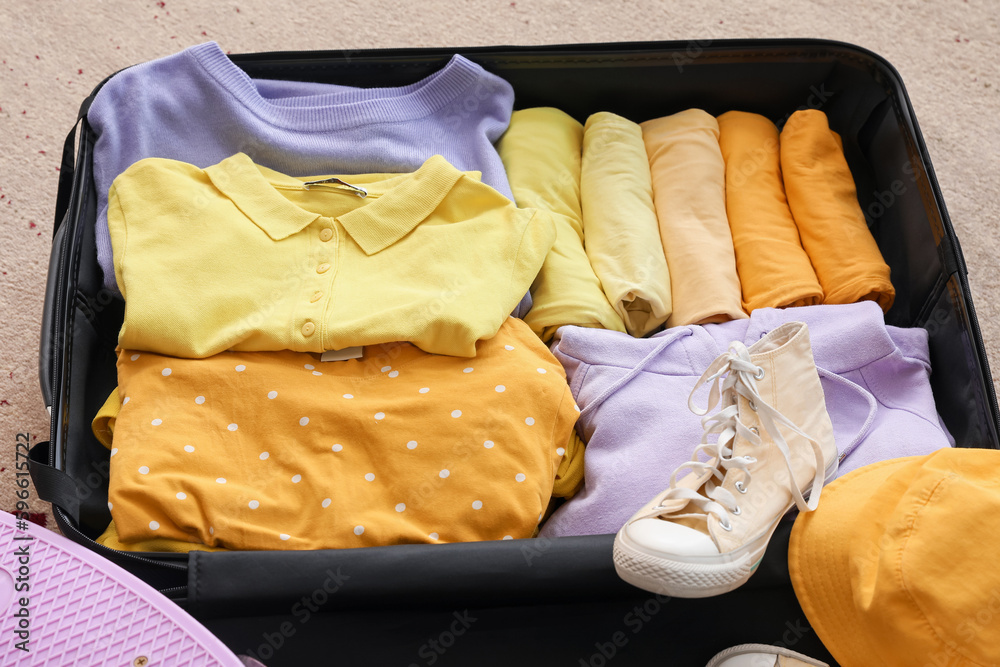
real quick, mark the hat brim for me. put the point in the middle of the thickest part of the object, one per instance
(819, 559)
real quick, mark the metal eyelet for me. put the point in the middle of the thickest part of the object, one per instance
(741, 487)
(725, 525)
(759, 374)
(749, 459)
(737, 511)
(753, 406)
(755, 430)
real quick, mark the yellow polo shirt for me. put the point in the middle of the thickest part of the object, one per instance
(240, 257)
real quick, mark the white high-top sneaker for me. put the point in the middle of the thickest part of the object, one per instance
(706, 534)
(762, 655)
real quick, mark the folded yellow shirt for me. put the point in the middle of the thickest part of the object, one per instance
(241, 257)
(774, 270)
(689, 191)
(278, 450)
(824, 203)
(541, 153)
(619, 223)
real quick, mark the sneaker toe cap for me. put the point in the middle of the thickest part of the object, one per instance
(665, 537)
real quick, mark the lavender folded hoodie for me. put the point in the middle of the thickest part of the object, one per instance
(197, 106)
(876, 380)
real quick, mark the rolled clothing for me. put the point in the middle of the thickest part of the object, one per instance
(774, 269)
(619, 223)
(689, 191)
(824, 203)
(633, 394)
(541, 152)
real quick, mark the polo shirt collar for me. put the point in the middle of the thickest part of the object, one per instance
(396, 205)
(239, 179)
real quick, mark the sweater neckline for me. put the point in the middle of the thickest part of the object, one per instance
(342, 109)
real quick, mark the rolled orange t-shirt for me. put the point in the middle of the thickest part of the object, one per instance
(773, 268)
(824, 203)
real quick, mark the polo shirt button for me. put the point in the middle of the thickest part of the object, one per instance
(308, 328)
(323, 268)
(326, 234)
(316, 297)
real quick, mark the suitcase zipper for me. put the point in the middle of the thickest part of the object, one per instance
(100, 548)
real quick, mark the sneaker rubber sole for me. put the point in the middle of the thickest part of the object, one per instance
(71, 608)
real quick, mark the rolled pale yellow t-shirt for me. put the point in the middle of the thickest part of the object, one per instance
(689, 191)
(619, 223)
(541, 152)
(773, 268)
(824, 203)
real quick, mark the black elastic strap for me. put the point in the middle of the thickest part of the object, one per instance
(67, 168)
(53, 486)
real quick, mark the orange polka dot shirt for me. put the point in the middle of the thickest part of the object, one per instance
(279, 450)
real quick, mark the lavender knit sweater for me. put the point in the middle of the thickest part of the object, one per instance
(199, 107)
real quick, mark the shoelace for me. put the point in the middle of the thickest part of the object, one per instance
(741, 378)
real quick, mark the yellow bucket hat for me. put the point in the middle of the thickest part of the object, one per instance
(900, 563)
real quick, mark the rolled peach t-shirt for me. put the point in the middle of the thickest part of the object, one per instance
(774, 269)
(824, 203)
(689, 192)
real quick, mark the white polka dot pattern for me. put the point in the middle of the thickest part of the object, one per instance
(459, 451)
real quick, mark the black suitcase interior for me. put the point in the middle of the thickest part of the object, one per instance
(538, 602)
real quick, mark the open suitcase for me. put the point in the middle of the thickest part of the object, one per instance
(545, 602)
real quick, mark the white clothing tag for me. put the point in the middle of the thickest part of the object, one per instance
(342, 355)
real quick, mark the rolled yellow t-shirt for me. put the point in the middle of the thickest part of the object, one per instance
(541, 152)
(773, 268)
(689, 191)
(619, 223)
(824, 203)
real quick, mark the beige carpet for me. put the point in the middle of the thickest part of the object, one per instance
(54, 53)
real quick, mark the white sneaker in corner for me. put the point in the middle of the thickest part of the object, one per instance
(762, 655)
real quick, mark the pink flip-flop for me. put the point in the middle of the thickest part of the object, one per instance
(64, 605)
